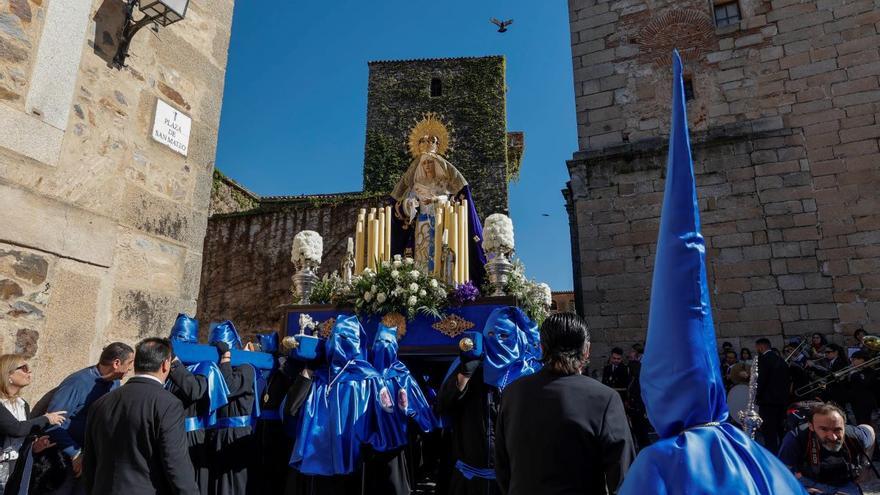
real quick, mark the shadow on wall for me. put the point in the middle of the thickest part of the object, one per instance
(109, 20)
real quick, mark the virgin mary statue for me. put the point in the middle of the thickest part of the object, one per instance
(429, 182)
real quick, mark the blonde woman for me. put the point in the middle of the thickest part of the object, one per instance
(15, 427)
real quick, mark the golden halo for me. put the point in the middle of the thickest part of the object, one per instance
(430, 125)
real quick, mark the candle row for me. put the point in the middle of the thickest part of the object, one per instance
(372, 243)
(452, 221)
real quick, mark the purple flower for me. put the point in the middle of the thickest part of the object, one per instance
(464, 293)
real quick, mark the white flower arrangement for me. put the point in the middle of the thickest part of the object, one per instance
(543, 293)
(389, 290)
(308, 247)
(498, 234)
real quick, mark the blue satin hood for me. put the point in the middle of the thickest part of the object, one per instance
(698, 453)
(268, 342)
(385, 347)
(345, 343)
(226, 332)
(185, 329)
(506, 346)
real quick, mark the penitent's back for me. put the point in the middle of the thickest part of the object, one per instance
(560, 435)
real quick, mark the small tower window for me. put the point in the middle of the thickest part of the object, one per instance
(436, 88)
(688, 88)
(727, 14)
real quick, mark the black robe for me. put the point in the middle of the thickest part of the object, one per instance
(192, 390)
(472, 414)
(269, 474)
(232, 450)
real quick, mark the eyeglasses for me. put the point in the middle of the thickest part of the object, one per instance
(24, 368)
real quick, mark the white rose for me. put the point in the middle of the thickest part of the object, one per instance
(367, 272)
(440, 292)
(433, 282)
(367, 296)
(422, 293)
(374, 289)
(396, 263)
(412, 301)
(385, 264)
(414, 274)
(397, 257)
(380, 297)
(395, 274)
(413, 287)
(408, 261)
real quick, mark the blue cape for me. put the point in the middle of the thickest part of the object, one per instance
(348, 406)
(683, 392)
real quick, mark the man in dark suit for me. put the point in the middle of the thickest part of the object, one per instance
(135, 442)
(559, 432)
(616, 374)
(772, 394)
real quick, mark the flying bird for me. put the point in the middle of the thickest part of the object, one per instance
(545, 214)
(502, 25)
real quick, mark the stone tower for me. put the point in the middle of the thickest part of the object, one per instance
(783, 107)
(469, 94)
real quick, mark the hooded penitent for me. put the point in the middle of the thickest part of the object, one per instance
(510, 339)
(698, 452)
(410, 402)
(348, 406)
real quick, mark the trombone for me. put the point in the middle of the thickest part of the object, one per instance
(805, 341)
(872, 342)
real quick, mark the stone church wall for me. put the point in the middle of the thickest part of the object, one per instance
(784, 131)
(101, 227)
(247, 270)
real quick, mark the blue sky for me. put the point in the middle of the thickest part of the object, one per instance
(294, 108)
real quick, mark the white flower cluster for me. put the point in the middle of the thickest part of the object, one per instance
(498, 234)
(543, 293)
(307, 249)
(399, 286)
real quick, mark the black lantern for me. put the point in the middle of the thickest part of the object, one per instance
(158, 12)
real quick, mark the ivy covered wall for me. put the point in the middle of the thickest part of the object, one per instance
(471, 102)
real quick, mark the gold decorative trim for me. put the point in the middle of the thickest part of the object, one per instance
(395, 320)
(326, 327)
(452, 326)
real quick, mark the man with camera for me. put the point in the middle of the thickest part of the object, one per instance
(827, 455)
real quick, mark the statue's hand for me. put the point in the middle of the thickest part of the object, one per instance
(410, 207)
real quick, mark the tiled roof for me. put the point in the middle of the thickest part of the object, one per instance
(432, 59)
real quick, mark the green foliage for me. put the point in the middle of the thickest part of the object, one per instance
(222, 183)
(385, 160)
(330, 289)
(527, 293)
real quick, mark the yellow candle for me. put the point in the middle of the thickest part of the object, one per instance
(374, 243)
(359, 247)
(438, 241)
(380, 252)
(453, 243)
(465, 247)
(387, 233)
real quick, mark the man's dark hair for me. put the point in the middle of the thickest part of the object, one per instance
(638, 348)
(835, 347)
(863, 355)
(826, 409)
(564, 336)
(151, 352)
(763, 341)
(617, 350)
(727, 353)
(726, 345)
(860, 331)
(114, 351)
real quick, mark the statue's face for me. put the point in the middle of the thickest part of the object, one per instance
(428, 168)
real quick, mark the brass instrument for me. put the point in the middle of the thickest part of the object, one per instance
(872, 342)
(805, 341)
